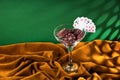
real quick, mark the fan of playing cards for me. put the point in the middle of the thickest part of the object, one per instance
(84, 23)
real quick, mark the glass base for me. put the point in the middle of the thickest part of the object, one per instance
(70, 68)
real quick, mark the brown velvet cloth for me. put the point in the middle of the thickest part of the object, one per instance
(98, 60)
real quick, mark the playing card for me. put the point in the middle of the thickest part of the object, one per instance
(78, 23)
(84, 23)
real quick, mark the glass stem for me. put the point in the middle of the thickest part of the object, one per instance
(70, 48)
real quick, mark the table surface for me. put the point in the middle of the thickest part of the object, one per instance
(97, 60)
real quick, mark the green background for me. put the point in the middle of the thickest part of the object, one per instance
(35, 20)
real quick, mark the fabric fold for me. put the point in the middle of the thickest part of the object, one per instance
(97, 60)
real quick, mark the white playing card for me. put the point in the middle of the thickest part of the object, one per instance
(84, 23)
(78, 23)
